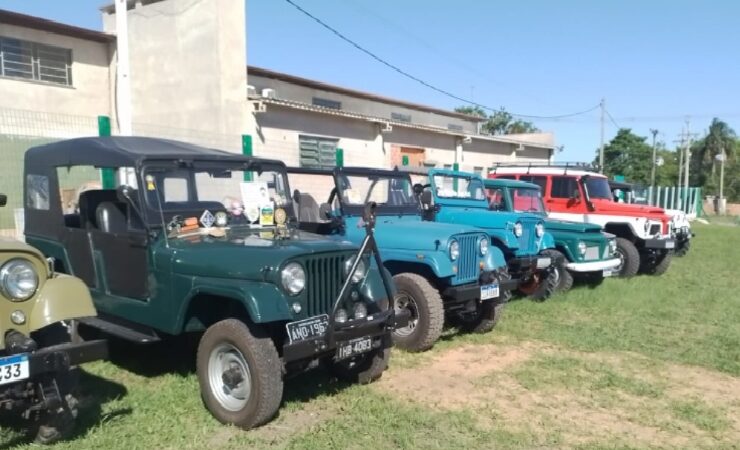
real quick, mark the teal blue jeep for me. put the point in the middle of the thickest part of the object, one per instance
(196, 240)
(449, 196)
(440, 270)
(583, 251)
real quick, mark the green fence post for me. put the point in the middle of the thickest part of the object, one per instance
(107, 175)
(455, 167)
(247, 151)
(405, 160)
(339, 157)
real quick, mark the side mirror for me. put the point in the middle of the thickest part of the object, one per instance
(426, 199)
(418, 189)
(3, 199)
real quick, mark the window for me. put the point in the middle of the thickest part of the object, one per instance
(598, 187)
(539, 181)
(175, 189)
(496, 199)
(33, 61)
(317, 152)
(326, 103)
(401, 117)
(37, 188)
(478, 170)
(507, 177)
(454, 127)
(563, 187)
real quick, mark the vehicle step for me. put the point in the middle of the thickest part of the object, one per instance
(119, 331)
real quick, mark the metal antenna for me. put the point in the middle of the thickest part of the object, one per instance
(161, 215)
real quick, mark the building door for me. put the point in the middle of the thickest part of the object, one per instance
(413, 155)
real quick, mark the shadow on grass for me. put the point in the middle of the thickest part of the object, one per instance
(92, 394)
(174, 355)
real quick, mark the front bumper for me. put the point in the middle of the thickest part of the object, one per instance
(593, 266)
(472, 291)
(376, 325)
(660, 243)
(59, 358)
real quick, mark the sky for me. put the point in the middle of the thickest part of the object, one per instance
(656, 63)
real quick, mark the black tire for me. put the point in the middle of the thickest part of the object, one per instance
(563, 278)
(630, 257)
(546, 287)
(250, 348)
(683, 248)
(660, 266)
(55, 426)
(417, 294)
(483, 320)
(366, 368)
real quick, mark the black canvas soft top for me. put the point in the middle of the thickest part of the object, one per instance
(121, 151)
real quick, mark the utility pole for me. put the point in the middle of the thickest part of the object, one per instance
(721, 203)
(687, 159)
(601, 148)
(652, 173)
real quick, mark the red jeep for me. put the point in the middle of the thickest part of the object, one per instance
(578, 194)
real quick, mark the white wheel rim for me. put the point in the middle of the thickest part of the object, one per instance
(229, 377)
(404, 302)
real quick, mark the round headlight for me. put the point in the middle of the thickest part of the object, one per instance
(361, 271)
(360, 310)
(454, 250)
(612, 246)
(341, 316)
(293, 277)
(483, 246)
(18, 279)
(539, 229)
(518, 229)
(581, 248)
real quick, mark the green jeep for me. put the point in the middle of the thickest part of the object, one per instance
(200, 240)
(37, 359)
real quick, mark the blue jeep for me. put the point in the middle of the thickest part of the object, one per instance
(450, 196)
(440, 270)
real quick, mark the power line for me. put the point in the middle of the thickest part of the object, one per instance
(419, 80)
(612, 119)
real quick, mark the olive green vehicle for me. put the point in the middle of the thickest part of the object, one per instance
(37, 359)
(196, 240)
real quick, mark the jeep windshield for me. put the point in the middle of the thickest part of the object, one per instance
(527, 200)
(393, 194)
(459, 187)
(245, 191)
(597, 187)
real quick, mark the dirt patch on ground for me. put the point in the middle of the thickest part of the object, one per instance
(484, 379)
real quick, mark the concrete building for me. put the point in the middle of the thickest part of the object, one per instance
(190, 81)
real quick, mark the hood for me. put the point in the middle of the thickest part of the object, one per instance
(577, 227)
(484, 218)
(629, 209)
(411, 233)
(246, 252)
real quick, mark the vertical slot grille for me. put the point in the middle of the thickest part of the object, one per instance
(467, 263)
(324, 278)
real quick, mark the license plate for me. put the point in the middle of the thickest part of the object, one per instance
(13, 368)
(348, 349)
(543, 263)
(608, 273)
(670, 244)
(489, 291)
(307, 328)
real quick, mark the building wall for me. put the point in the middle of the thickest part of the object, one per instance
(187, 62)
(303, 94)
(88, 95)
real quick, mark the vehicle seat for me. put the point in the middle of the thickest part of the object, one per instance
(308, 209)
(325, 211)
(88, 204)
(427, 207)
(111, 217)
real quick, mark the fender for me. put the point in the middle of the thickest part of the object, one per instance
(505, 237)
(547, 241)
(260, 299)
(60, 298)
(495, 259)
(440, 266)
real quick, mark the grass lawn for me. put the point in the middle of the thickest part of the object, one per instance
(642, 363)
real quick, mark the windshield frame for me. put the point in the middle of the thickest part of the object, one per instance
(510, 198)
(353, 209)
(453, 201)
(604, 180)
(154, 214)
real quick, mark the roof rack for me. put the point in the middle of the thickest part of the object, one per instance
(536, 164)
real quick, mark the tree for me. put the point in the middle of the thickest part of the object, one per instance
(629, 155)
(704, 165)
(500, 122)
